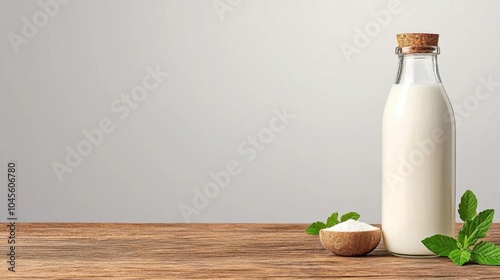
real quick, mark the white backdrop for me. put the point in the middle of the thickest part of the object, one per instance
(226, 110)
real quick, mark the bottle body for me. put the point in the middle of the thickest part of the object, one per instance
(418, 160)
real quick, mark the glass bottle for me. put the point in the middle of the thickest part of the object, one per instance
(418, 151)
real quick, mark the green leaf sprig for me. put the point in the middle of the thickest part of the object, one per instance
(475, 227)
(314, 228)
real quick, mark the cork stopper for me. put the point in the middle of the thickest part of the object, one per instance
(418, 42)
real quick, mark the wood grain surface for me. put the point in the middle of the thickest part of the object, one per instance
(206, 251)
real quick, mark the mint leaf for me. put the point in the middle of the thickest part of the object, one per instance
(332, 220)
(441, 245)
(476, 228)
(459, 257)
(314, 228)
(486, 253)
(350, 215)
(468, 206)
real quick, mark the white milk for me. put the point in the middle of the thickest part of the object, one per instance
(418, 167)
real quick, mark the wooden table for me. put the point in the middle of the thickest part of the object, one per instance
(201, 251)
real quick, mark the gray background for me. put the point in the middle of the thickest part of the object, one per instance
(227, 73)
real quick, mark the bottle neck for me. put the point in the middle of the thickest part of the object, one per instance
(418, 68)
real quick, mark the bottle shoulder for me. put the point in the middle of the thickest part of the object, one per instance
(417, 101)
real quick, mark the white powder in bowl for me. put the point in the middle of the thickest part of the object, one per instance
(351, 225)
